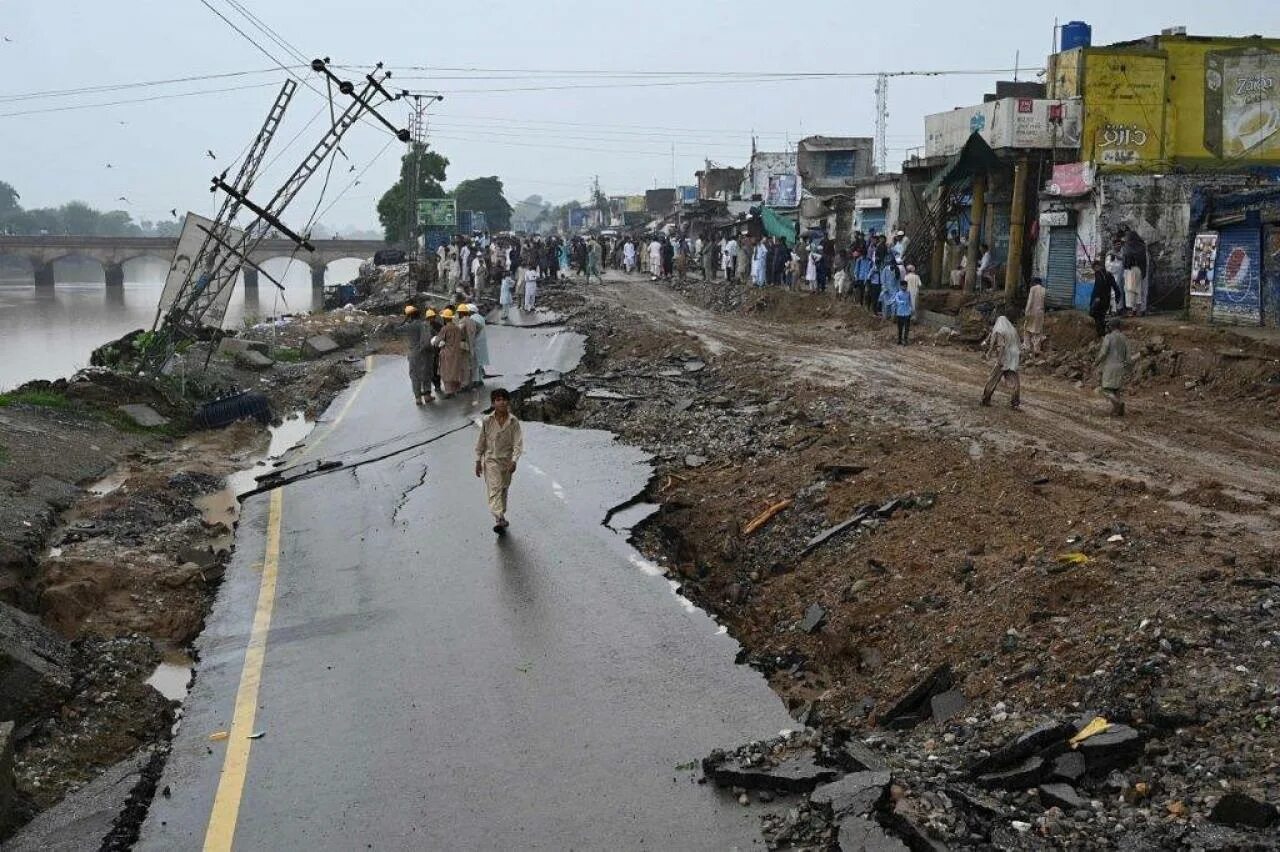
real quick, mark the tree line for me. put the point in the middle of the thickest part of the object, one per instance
(75, 218)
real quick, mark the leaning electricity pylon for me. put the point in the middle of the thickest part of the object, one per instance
(201, 282)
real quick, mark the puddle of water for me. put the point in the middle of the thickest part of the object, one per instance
(171, 677)
(291, 432)
(109, 483)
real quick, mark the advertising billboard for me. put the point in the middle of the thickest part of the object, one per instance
(1006, 123)
(1124, 109)
(1204, 257)
(437, 212)
(687, 194)
(634, 204)
(784, 191)
(210, 291)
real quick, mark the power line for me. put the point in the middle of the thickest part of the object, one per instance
(150, 99)
(116, 87)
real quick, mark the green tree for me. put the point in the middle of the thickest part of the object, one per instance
(485, 194)
(394, 206)
(8, 199)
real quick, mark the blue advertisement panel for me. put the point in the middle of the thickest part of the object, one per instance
(464, 222)
(577, 219)
(436, 237)
(687, 194)
(1237, 276)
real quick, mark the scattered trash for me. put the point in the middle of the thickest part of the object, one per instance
(1115, 538)
(1095, 727)
(219, 736)
(1074, 557)
(764, 517)
(256, 735)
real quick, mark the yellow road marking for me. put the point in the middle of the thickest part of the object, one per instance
(235, 764)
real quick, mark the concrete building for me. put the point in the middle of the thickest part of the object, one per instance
(718, 183)
(828, 165)
(1165, 120)
(771, 177)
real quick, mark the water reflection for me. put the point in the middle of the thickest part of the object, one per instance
(48, 333)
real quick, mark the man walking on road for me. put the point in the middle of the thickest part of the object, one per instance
(902, 309)
(1113, 357)
(498, 449)
(1100, 301)
(1004, 339)
(1033, 316)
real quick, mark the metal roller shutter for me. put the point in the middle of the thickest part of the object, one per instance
(1237, 276)
(1060, 283)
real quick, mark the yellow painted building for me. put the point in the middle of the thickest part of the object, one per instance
(1175, 100)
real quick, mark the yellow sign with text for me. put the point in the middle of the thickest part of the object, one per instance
(1224, 100)
(1124, 109)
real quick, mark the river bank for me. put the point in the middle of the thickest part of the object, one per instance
(875, 540)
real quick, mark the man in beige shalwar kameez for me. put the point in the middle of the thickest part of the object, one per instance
(1033, 317)
(498, 448)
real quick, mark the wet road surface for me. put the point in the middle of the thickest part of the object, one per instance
(421, 684)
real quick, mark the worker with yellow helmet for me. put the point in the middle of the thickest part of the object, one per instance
(421, 353)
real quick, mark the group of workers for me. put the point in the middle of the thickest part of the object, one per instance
(447, 349)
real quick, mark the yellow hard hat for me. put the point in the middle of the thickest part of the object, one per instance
(447, 314)
(464, 309)
(430, 313)
(410, 310)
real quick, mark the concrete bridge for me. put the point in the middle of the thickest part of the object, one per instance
(114, 252)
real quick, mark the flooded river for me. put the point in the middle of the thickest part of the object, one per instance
(48, 334)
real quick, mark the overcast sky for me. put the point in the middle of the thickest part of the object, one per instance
(548, 106)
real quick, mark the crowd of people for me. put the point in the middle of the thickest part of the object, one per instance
(448, 350)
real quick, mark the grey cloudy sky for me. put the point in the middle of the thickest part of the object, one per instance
(533, 116)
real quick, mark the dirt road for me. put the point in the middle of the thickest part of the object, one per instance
(935, 389)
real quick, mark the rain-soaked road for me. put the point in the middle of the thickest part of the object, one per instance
(420, 684)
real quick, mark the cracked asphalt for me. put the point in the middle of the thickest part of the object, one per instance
(423, 684)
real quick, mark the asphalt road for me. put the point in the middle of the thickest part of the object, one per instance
(419, 683)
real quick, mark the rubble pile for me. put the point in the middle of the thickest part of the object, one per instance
(973, 599)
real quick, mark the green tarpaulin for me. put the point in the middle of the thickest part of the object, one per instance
(778, 226)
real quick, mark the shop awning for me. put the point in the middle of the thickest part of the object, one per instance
(975, 158)
(776, 225)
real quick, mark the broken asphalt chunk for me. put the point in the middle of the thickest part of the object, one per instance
(831, 532)
(913, 707)
(1240, 810)
(319, 346)
(796, 774)
(814, 617)
(693, 460)
(1063, 796)
(1068, 767)
(1036, 740)
(946, 705)
(857, 834)
(1024, 775)
(863, 757)
(856, 794)
(1114, 748)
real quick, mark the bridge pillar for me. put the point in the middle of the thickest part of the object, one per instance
(317, 276)
(250, 278)
(114, 273)
(44, 273)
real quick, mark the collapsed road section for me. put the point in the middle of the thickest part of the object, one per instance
(404, 679)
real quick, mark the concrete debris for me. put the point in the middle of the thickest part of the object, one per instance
(251, 359)
(35, 665)
(856, 794)
(914, 707)
(694, 366)
(693, 460)
(863, 757)
(143, 415)
(814, 617)
(1243, 811)
(319, 346)
(236, 345)
(1068, 766)
(1048, 736)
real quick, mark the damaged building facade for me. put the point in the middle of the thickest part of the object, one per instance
(1170, 123)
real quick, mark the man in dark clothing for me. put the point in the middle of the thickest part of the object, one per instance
(668, 257)
(1100, 301)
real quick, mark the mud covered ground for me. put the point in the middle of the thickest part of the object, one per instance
(1063, 563)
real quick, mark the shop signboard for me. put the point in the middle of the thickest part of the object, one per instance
(1124, 115)
(687, 194)
(1006, 123)
(1204, 255)
(437, 212)
(1071, 180)
(1237, 292)
(634, 204)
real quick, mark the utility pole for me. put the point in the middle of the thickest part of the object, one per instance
(882, 122)
(417, 138)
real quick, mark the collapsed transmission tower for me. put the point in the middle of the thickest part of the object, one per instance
(207, 277)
